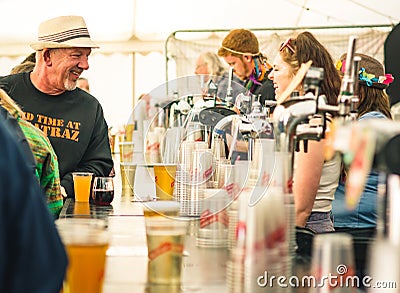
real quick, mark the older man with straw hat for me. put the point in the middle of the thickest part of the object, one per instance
(72, 118)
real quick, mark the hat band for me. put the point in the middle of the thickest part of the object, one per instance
(240, 53)
(66, 35)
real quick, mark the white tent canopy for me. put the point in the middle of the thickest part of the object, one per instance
(132, 33)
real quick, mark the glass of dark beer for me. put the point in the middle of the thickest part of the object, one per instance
(103, 190)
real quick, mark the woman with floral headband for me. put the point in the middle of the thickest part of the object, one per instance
(373, 104)
(315, 180)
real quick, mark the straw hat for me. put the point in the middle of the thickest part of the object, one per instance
(63, 32)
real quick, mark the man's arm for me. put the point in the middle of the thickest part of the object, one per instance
(97, 158)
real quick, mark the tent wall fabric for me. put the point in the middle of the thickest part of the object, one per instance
(183, 47)
(132, 35)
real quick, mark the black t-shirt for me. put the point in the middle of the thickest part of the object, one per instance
(74, 123)
(266, 89)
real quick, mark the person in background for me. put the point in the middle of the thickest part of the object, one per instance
(315, 180)
(142, 108)
(33, 258)
(26, 66)
(30, 58)
(209, 66)
(83, 83)
(374, 103)
(72, 118)
(47, 171)
(240, 49)
(392, 63)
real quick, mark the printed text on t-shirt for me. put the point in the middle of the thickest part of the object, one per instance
(55, 127)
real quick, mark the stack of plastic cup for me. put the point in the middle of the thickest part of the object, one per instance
(200, 175)
(384, 267)
(182, 176)
(218, 151)
(333, 256)
(265, 239)
(235, 271)
(214, 220)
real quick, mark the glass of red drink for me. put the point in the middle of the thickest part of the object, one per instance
(103, 190)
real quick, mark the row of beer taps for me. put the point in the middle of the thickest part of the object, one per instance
(290, 126)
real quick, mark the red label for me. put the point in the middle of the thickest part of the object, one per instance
(154, 146)
(272, 239)
(265, 179)
(207, 218)
(164, 248)
(229, 188)
(240, 229)
(208, 172)
(289, 185)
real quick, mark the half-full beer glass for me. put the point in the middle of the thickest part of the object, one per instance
(165, 234)
(86, 241)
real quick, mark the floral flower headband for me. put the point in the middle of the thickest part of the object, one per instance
(369, 79)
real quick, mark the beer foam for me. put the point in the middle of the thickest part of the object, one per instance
(163, 206)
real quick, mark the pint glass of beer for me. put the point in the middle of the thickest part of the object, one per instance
(126, 151)
(128, 173)
(86, 241)
(164, 176)
(165, 234)
(82, 185)
(166, 208)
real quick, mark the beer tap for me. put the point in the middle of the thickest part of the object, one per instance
(291, 123)
(229, 98)
(347, 87)
(258, 126)
(212, 90)
(355, 100)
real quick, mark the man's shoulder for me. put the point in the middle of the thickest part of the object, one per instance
(266, 84)
(13, 77)
(85, 95)
(266, 89)
(80, 98)
(14, 82)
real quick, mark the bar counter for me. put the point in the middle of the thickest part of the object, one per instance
(203, 269)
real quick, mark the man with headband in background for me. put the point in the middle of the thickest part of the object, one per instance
(240, 49)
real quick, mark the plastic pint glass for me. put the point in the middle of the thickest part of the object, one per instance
(126, 152)
(82, 184)
(128, 173)
(86, 242)
(164, 175)
(165, 241)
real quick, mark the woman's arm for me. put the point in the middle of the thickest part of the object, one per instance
(307, 175)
